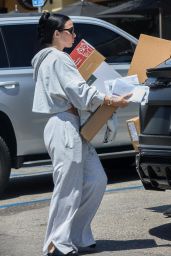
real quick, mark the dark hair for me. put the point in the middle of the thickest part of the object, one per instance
(48, 23)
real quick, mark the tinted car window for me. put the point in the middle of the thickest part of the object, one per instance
(21, 43)
(3, 58)
(110, 44)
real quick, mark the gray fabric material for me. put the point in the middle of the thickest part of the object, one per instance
(79, 180)
(60, 85)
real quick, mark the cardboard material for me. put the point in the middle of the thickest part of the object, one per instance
(150, 52)
(96, 121)
(133, 125)
(92, 67)
(86, 58)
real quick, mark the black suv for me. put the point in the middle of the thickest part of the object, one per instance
(154, 159)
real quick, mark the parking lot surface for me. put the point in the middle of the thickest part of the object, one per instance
(130, 220)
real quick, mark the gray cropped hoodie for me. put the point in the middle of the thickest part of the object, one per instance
(59, 84)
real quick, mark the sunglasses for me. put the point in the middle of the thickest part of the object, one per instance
(70, 30)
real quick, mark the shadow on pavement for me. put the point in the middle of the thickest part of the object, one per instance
(42, 183)
(31, 185)
(113, 245)
(160, 209)
(162, 232)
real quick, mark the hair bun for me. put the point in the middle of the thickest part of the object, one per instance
(45, 15)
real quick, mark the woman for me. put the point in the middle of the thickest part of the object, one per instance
(79, 178)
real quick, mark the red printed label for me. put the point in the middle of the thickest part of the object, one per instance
(81, 52)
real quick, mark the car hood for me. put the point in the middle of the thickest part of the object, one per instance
(38, 59)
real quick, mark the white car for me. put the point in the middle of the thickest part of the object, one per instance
(21, 130)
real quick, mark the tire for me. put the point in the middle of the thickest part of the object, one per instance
(5, 165)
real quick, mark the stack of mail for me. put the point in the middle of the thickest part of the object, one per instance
(125, 85)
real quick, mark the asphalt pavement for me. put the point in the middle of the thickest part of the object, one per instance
(129, 221)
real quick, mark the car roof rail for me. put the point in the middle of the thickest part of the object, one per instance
(19, 14)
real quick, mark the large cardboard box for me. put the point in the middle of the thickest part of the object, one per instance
(150, 52)
(133, 125)
(96, 121)
(94, 70)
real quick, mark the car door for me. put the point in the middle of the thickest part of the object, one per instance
(19, 42)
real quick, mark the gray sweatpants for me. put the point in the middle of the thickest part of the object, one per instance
(79, 184)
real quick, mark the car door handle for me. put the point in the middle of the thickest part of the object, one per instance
(9, 84)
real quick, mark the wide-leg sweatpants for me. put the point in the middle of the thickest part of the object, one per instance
(79, 184)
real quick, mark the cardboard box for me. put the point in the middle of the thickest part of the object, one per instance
(94, 70)
(150, 52)
(86, 58)
(133, 125)
(96, 121)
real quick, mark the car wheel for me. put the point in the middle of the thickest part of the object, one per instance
(5, 165)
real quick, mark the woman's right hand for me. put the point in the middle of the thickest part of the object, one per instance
(117, 101)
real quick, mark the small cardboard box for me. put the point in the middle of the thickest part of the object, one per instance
(133, 125)
(86, 58)
(150, 52)
(91, 65)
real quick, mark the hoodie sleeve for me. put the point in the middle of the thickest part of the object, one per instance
(81, 95)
